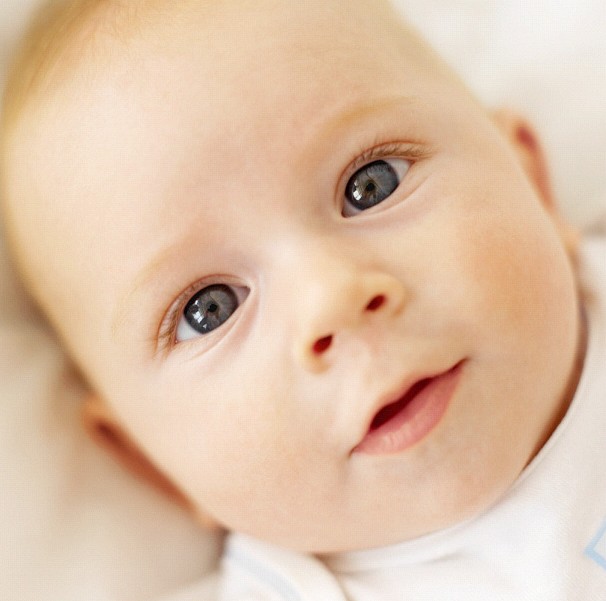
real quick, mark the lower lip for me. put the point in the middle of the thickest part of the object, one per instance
(416, 420)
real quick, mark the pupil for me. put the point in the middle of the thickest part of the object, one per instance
(210, 308)
(370, 187)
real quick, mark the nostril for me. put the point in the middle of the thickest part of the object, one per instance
(322, 344)
(376, 303)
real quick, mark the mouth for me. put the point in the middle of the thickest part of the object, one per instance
(401, 423)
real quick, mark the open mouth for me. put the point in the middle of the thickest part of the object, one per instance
(404, 422)
(393, 409)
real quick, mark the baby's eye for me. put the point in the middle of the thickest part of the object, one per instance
(208, 309)
(373, 183)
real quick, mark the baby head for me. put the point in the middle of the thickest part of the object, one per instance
(310, 280)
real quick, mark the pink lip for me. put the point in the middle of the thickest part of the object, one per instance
(403, 422)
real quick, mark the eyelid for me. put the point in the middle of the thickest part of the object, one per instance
(167, 330)
(409, 151)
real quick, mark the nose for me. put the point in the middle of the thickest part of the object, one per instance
(341, 300)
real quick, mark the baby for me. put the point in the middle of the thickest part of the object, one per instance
(320, 295)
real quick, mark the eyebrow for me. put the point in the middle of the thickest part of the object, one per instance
(326, 130)
(360, 112)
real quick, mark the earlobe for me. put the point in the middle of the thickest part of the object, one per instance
(525, 141)
(104, 428)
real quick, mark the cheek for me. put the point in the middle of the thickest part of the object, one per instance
(522, 305)
(221, 433)
(512, 255)
(494, 271)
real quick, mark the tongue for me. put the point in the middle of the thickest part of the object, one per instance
(390, 411)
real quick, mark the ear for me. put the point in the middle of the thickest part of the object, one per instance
(105, 429)
(525, 142)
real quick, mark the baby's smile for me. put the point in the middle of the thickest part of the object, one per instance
(400, 424)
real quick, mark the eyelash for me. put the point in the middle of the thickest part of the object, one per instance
(408, 151)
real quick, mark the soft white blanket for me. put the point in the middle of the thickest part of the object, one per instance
(73, 525)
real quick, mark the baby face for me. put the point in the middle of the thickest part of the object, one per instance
(274, 224)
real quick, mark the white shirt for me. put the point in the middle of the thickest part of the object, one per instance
(545, 540)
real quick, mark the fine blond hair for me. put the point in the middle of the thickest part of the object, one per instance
(43, 47)
(64, 35)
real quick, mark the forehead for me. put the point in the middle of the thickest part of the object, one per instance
(222, 79)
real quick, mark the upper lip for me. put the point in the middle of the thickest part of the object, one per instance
(398, 392)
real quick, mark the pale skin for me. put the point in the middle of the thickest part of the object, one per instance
(208, 161)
